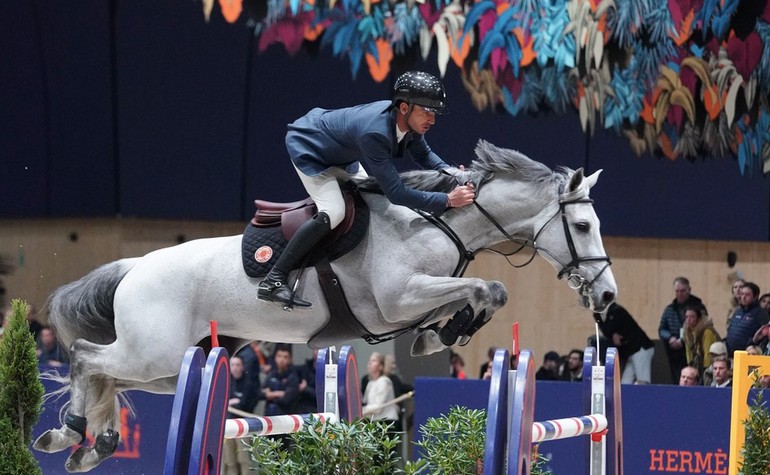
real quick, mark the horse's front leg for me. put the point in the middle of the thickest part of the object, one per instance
(471, 300)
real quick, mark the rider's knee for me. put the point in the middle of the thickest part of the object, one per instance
(335, 216)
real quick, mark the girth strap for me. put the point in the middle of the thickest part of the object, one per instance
(342, 325)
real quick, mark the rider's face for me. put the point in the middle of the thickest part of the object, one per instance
(420, 120)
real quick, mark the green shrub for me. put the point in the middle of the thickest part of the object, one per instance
(21, 394)
(362, 447)
(16, 458)
(756, 450)
(453, 444)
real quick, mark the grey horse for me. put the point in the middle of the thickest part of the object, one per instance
(128, 324)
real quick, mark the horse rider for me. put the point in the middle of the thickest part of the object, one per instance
(355, 142)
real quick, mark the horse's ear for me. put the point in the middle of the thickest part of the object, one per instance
(576, 180)
(592, 178)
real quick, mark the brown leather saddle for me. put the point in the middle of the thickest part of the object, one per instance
(274, 224)
(290, 216)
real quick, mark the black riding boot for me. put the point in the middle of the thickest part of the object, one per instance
(274, 287)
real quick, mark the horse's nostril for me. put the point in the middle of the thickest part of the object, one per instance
(608, 296)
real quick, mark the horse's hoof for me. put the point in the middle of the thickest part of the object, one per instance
(82, 460)
(56, 440)
(447, 336)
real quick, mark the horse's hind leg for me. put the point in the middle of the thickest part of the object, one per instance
(73, 430)
(93, 373)
(85, 458)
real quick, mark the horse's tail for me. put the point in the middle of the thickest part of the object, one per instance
(83, 309)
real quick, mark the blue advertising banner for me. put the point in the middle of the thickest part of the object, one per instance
(666, 429)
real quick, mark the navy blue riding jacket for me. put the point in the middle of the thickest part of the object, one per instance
(365, 135)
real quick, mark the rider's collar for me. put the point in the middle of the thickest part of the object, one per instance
(399, 134)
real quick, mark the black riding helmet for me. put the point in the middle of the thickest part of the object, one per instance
(423, 89)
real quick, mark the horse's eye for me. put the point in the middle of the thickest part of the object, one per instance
(582, 227)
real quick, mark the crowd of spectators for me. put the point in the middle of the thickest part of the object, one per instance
(708, 356)
(687, 333)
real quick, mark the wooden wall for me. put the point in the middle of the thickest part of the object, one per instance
(45, 255)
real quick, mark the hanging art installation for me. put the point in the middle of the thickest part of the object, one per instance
(679, 78)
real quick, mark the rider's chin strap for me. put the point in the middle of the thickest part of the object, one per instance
(406, 119)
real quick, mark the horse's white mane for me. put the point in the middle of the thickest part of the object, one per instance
(490, 159)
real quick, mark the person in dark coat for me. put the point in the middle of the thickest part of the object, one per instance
(672, 323)
(634, 346)
(551, 369)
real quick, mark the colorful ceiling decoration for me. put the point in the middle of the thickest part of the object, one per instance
(679, 78)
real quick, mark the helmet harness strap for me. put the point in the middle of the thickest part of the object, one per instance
(408, 114)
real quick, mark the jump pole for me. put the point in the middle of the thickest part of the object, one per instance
(199, 421)
(511, 429)
(272, 425)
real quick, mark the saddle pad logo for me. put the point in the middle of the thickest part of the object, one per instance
(263, 254)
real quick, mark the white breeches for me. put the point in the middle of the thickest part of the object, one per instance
(324, 189)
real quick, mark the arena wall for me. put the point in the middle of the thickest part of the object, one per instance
(50, 253)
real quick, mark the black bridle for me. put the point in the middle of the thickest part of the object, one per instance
(569, 270)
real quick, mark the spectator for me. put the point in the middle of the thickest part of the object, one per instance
(490, 356)
(550, 369)
(688, 376)
(672, 322)
(34, 323)
(257, 360)
(753, 350)
(378, 391)
(699, 334)
(457, 366)
(391, 371)
(761, 338)
(282, 385)
(48, 349)
(573, 369)
(399, 388)
(721, 368)
(718, 348)
(308, 402)
(735, 299)
(634, 346)
(513, 360)
(244, 389)
(244, 393)
(764, 302)
(747, 320)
